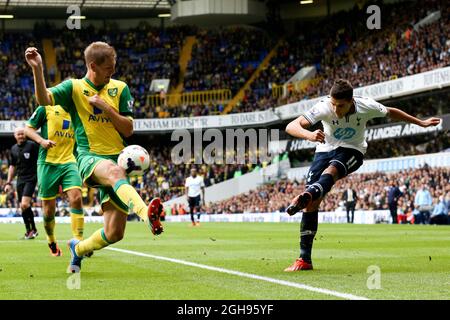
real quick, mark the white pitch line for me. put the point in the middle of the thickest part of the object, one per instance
(243, 274)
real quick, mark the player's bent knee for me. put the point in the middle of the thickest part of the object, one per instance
(114, 236)
(47, 217)
(115, 173)
(337, 169)
(114, 233)
(75, 199)
(48, 212)
(314, 206)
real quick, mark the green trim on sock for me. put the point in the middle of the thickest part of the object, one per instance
(104, 236)
(119, 183)
(76, 211)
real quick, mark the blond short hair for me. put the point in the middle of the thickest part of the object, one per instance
(98, 52)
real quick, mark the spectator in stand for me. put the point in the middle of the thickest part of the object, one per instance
(274, 197)
(440, 212)
(394, 194)
(423, 203)
(227, 58)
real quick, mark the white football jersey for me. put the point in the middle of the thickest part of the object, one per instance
(195, 185)
(348, 132)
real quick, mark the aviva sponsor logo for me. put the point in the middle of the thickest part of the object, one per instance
(97, 110)
(65, 124)
(98, 118)
(94, 118)
(344, 133)
(64, 133)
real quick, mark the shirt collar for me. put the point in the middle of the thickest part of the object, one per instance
(91, 84)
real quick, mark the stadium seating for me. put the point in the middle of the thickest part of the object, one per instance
(226, 58)
(371, 188)
(166, 180)
(395, 51)
(16, 81)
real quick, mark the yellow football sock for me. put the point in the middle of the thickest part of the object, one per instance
(49, 226)
(95, 242)
(77, 223)
(128, 195)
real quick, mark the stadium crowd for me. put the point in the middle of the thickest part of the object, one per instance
(163, 178)
(388, 148)
(364, 56)
(166, 179)
(372, 190)
(226, 58)
(16, 95)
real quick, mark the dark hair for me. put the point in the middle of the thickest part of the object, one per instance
(342, 89)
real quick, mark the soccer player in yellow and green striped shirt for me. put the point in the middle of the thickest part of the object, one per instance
(101, 112)
(56, 166)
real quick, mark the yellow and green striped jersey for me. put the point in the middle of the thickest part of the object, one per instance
(55, 125)
(94, 131)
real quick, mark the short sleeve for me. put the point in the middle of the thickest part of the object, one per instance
(126, 102)
(316, 113)
(375, 109)
(38, 118)
(62, 94)
(186, 184)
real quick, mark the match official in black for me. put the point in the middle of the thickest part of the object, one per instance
(23, 161)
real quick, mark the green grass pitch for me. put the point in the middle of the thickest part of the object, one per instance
(414, 263)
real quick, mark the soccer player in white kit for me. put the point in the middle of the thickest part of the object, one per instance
(340, 151)
(194, 185)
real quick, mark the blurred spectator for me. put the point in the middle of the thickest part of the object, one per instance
(371, 190)
(394, 194)
(349, 197)
(423, 203)
(440, 212)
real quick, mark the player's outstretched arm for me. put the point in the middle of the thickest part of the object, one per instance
(298, 128)
(34, 60)
(400, 115)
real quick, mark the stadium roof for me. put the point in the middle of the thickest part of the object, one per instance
(94, 9)
(142, 4)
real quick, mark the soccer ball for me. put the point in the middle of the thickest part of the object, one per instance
(134, 159)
